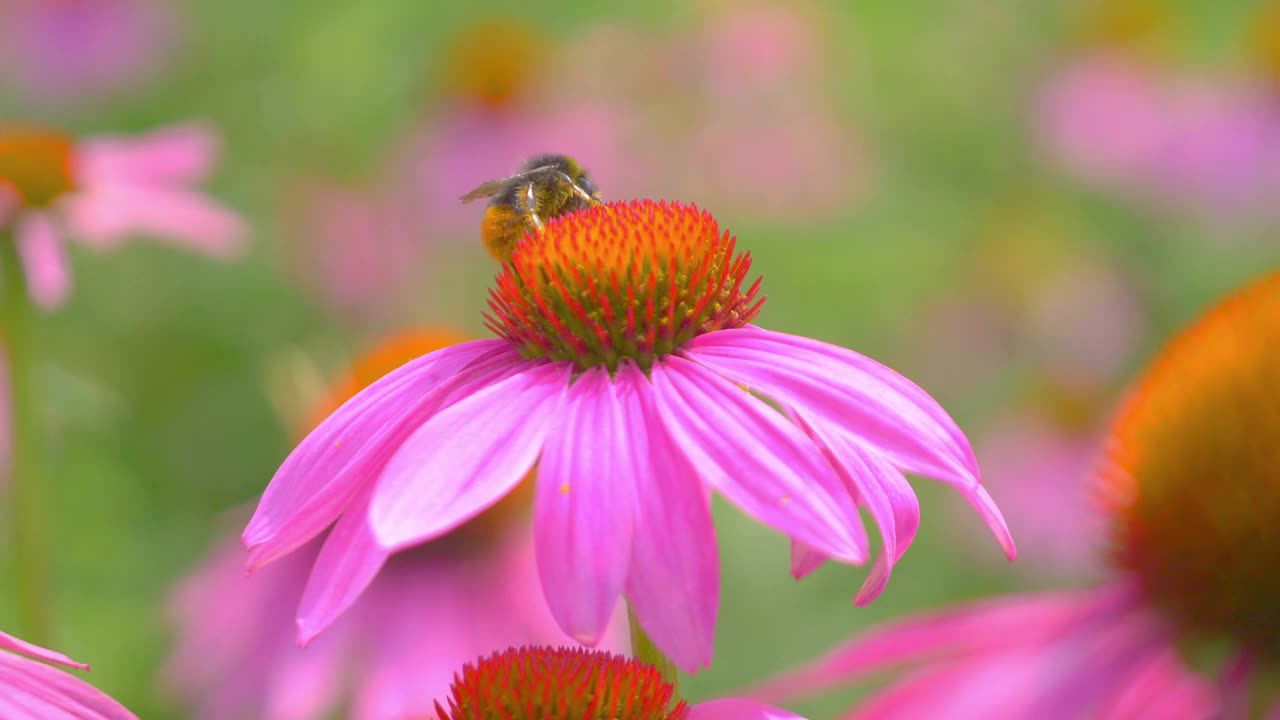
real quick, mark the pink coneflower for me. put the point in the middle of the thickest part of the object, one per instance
(103, 190)
(391, 656)
(1191, 485)
(30, 689)
(627, 372)
(61, 51)
(541, 683)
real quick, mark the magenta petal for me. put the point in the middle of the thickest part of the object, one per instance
(758, 459)
(9, 642)
(29, 689)
(735, 709)
(467, 457)
(584, 513)
(347, 563)
(44, 260)
(839, 387)
(321, 475)
(804, 559)
(674, 581)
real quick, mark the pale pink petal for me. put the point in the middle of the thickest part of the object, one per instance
(44, 260)
(104, 216)
(347, 563)
(805, 559)
(584, 512)
(466, 457)
(837, 386)
(29, 689)
(735, 709)
(321, 475)
(9, 642)
(758, 459)
(308, 685)
(674, 582)
(167, 156)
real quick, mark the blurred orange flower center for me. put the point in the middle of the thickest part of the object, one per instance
(1195, 475)
(622, 281)
(494, 63)
(542, 683)
(37, 164)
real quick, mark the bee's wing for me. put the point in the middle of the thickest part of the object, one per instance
(493, 187)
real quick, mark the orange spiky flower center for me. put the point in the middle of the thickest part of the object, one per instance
(37, 164)
(1194, 475)
(545, 683)
(621, 281)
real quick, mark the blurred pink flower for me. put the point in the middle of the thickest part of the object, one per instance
(1095, 653)
(62, 51)
(30, 689)
(103, 190)
(391, 656)
(439, 440)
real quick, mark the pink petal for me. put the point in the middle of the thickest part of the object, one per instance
(44, 260)
(467, 457)
(757, 459)
(168, 156)
(584, 514)
(29, 689)
(837, 386)
(1163, 690)
(735, 709)
(804, 559)
(884, 492)
(674, 582)
(348, 562)
(321, 475)
(308, 684)
(104, 216)
(9, 642)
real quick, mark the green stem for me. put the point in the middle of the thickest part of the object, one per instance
(643, 649)
(26, 512)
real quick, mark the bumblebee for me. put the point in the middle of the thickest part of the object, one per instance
(547, 186)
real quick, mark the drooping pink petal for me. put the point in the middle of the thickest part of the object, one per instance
(674, 581)
(327, 468)
(736, 709)
(179, 154)
(467, 456)
(9, 642)
(44, 260)
(758, 459)
(837, 386)
(349, 560)
(804, 559)
(104, 216)
(584, 512)
(29, 689)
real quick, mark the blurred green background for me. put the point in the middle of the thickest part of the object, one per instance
(163, 378)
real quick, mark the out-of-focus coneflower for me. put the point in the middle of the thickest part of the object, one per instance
(628, 373)
(542, 683)
(117, 44)
(103, 190)
(391, 656)
(1191, 490)
(31, 689)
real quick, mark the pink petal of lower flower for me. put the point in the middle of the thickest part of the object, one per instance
(44, 260)
(9, 642)
(347, 563)
(758, 459)
(466, 457)
(309, 685)
(166, 156)
(674, 581)
(584, 512)
(837, 386)
(330, 465)
(735, 709)
(104, 216)
(29, 689)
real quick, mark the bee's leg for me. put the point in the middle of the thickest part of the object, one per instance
(532, 208)
(587, 197)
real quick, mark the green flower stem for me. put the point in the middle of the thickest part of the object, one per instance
(643, 649)
(24, 503)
